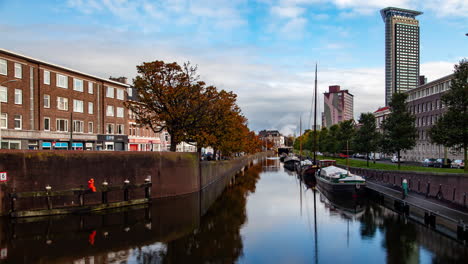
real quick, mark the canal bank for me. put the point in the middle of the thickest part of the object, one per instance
(170, 174)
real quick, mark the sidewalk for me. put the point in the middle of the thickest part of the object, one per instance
(444, 208)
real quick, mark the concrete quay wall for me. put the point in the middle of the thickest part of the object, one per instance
(172, 174)
(452, 187)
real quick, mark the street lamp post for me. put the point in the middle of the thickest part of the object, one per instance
(9, 81)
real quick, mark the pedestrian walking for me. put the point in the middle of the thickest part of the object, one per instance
(405, 188)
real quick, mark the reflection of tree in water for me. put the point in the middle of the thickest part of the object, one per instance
(400, 238)
(369, 224)
(403, 238)
(218, 238)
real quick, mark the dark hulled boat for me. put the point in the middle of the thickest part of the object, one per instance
(291, 162)
(338, 181)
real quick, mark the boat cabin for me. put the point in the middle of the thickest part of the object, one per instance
(326, 163)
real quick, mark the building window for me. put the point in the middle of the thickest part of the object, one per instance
(120, 129)
(3, 94)
(90, 88)
(110, 110)
(120, 94)
(90, 108)
(78, 85)
(4, 120)
(120, 112)
(18, 96)
(3, 67)
(18, 122)
(77, 106)
(62, 103)
(47, 77)
(78, 126)
(62, 81)
(130, 91)
(62, 125)
(46, 101)
(18, 71)
(90, 127)
(46, 124)
(110, 92)
(110, 129)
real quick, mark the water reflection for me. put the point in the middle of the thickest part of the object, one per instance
(268, 216)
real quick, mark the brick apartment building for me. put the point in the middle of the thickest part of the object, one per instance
(144, 138)
(46, 106)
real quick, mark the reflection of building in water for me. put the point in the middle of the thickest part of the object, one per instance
(271, 164)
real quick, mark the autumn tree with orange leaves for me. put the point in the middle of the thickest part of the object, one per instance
(172, 97)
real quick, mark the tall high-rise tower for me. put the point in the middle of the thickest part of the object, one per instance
(401, 50)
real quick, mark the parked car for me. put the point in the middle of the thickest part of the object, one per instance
(374, 156)
(459, 164)
(428, 162)
(395, 159)
(359, 155)
(441, 163)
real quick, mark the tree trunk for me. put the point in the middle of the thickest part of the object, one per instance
(173, 146)
(398, 159)
(466, 157)
(367, 158)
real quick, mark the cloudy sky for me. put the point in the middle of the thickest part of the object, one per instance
(263, 50)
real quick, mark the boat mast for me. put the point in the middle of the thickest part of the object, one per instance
(315, 117)
(347, 156)
(300, 137)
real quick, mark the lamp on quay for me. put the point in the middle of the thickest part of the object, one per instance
(2, 83)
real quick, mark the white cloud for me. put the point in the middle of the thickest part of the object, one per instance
(287, 11)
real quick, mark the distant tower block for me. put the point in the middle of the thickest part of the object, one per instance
(401, 50)
(338, 105)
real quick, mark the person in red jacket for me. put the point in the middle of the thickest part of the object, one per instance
(91, 185)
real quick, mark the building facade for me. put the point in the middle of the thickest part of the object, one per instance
(401, 50)
(338, 105)
(272, 136)
(426, 104)
(380, 115)
(46, 106)
(143, 138)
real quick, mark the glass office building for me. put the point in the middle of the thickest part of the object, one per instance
(401, 50)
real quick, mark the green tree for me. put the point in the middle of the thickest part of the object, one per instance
(333, 145)
(366, 138)
(451, 130)
(399, 132)
(345, 135)
(323, 142)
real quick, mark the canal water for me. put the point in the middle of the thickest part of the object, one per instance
(267, 216)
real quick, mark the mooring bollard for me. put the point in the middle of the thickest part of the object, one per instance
(13, 202)
(428, 188)
(147, 188)
(440, 195)
(104, 192)
(462, 232)
(49, 202)
(453, 195)
(419, 185)
(126, 182)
